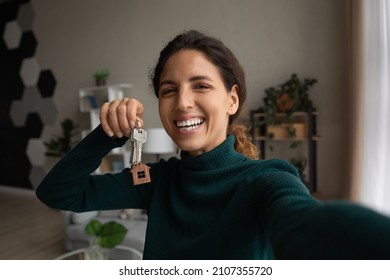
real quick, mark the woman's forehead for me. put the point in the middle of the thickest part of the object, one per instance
(189, 64)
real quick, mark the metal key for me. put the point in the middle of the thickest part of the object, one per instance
(139, 171)
(138, 138)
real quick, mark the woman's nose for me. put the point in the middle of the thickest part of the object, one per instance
(185, 99)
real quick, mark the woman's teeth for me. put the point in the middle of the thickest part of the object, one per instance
(189, 124)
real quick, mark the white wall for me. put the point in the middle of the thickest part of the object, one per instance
(272, 39)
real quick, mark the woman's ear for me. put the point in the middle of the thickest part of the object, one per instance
(234, 101)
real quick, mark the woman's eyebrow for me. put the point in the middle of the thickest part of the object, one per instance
(200, 77)
(192, 79)
(166, 82)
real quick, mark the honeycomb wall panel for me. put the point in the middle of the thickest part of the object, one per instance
(27, 104)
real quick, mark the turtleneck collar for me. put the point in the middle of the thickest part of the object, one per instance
(222, 156)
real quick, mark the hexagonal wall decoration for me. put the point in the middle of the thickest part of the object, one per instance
(27, 98)
(28, 44)
(18, 113)
(34, 126)
(48, 111)
(25, 17)
(36, 151)
(14, 87)
(32, 100)
(46, 83)
(12, 35)
(30, 71)
(37, 174)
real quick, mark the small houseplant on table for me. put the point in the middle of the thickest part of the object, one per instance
(103, 236)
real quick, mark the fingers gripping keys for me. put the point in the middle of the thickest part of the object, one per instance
(140, 171)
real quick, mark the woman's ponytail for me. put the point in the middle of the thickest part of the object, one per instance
(243, 143)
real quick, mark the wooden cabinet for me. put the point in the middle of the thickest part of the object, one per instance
(304, 126)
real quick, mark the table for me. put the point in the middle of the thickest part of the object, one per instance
(118, 253)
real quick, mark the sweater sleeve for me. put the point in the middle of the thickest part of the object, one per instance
(70, 185)
(300, 227)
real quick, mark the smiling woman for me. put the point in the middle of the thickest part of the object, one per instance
(195, 106)
(216, 201)
(200, 73)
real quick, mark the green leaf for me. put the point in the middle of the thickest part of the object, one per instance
(93, 228)
(60, 145)
(102, 74)
(295, 144)
(112, 234)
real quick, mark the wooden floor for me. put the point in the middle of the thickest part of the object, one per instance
(28, 229)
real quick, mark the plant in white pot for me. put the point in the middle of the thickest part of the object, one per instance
(103, 236)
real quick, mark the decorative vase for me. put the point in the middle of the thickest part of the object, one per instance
(284, 102)
(95, 251)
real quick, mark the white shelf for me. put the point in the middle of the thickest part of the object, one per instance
(90, 101)
(93, 97)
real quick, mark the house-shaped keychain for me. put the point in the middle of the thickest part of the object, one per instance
(141, 174)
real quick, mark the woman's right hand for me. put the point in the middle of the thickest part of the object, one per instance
(119, 117)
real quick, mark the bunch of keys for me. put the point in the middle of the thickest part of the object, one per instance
(139, 171)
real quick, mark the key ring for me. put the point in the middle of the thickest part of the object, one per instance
(138, 123)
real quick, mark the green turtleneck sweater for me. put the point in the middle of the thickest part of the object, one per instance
(219, 205)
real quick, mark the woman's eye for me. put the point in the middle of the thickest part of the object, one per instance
(167, 91)
(201, 87)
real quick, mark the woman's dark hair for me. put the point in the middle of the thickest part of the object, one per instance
(229, 68)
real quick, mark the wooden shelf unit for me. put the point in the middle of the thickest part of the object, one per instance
(309, 119)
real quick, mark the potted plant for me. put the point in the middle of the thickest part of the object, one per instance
(106, 235)
(281, 102)
(101, 77)
(60, 145)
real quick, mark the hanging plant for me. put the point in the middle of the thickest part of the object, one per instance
(288, 98)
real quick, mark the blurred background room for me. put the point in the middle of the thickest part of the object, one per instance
(54, 55)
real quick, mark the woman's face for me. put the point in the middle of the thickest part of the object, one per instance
(194, 104)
